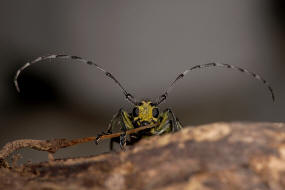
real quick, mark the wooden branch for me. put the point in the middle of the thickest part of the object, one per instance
(223, 156)
(54, 145)
(127, 132)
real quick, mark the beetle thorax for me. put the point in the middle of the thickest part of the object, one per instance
(145, 113)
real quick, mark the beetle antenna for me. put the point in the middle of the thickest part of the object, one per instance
(180, 76)
(128, 96)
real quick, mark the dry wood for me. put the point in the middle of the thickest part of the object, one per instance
(223, 156)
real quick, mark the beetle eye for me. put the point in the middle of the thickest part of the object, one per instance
(136, 112)
(155, 112)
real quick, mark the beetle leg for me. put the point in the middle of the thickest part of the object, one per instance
(163, 127)
(123, 141)
(126, 124)
(176, 126)
(123, 118)
(113, 122)
(109, 130)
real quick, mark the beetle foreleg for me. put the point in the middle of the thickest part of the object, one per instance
(123, 118)
(176, 126)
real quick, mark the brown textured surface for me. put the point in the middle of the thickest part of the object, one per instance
(215, 156)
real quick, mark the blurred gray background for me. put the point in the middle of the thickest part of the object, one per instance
(145, 44)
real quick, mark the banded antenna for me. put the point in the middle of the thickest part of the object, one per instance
(180, 76)
(108, 74)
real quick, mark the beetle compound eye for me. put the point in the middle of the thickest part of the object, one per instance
(136, 112)
(155, 112)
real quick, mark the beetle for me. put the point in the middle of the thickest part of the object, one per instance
(144, 112)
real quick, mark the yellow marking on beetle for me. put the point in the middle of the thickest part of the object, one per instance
(127, 120)
(145, 112)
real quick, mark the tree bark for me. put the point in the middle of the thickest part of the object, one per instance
(223, 156)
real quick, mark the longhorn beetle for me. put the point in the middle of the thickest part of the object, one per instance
(144, 112)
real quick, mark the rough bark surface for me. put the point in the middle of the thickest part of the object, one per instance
(236, 156)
